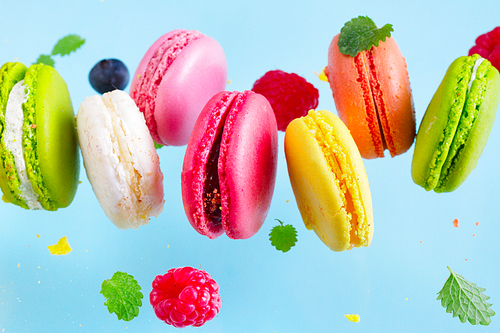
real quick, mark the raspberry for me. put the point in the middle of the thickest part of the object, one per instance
(290, 95)
(185, 296)
(488, 47)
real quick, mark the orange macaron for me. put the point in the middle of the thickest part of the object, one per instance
(373, 97)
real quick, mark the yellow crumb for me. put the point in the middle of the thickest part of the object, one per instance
(322, 76)
(19, 265)
(37, 235)
(228, 81)
(353, 317)
(406, 298)
(62, 247)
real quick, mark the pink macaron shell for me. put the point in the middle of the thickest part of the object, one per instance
(141, 68)
(208, 125)
(198, 72)
(247, 164)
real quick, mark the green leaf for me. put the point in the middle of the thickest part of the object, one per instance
(122, 296)
(466, 300)
(283, 237)
(158, 146)
(68, 44)
(45, 59)
(360, 34)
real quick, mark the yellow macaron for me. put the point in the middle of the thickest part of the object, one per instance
(329, 180)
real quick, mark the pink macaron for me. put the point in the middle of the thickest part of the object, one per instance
(174, 80)
(230, 164)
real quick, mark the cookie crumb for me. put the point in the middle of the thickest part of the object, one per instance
(353, 317)
(455, 223)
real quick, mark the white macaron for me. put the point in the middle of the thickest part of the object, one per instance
(120, 159)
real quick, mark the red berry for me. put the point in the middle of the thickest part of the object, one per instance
(290, 95)
(488, 47)
(185, 296)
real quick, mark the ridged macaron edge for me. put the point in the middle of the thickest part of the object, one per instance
(316, 184)
(482, 110)
(207, 127)
(173, 43)
(10, 74)
(440, 122)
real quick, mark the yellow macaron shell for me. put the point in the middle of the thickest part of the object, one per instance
(329, 180)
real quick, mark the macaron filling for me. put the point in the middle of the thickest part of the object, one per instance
(375, 106)
(149, 82)
(207, 172)
(13, 139)
(476, 90)
(10, 74)
(469, 91)
(346, 181)
(211, 194)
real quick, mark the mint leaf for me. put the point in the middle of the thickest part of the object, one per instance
(45, 59)
(360, 34)
(122, 296)
(283, 237)
(68, 44)
(157, 145)
(466, 300)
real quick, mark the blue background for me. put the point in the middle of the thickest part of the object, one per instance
(392, 284)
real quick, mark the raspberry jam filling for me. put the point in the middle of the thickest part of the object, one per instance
(370, 107)
(211, 194)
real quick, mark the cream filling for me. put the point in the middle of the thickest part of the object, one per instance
(474, 72)
(14, 120)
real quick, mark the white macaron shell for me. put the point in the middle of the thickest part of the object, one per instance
(120, 159)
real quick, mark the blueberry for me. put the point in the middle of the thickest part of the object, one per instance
(108, 75)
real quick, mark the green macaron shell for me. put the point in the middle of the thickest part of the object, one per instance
(456, 126)
(10, 74)
(51, 149)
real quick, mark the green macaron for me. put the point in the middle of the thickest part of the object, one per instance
(456, 125)
(39, 157)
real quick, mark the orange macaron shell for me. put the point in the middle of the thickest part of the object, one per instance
(373, 97)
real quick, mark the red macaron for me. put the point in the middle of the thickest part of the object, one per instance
(229, 168)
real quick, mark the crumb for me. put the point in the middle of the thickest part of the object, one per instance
(61, 248)
(288, 201)
(455, 223)
(19, 265)
(473, 235)
(477, 223)
(420, 241)
(37, 235)
(406, 298)
(353, 318)
(228, 81)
